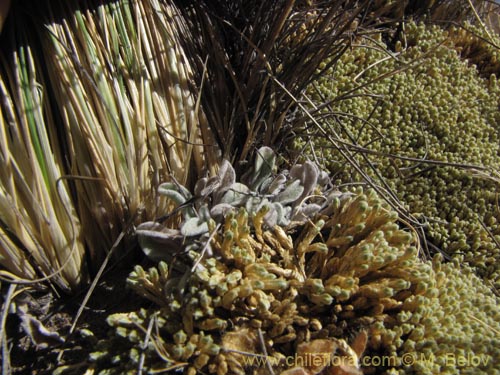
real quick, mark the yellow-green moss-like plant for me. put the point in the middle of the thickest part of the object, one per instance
(453, 329)
(415, 118)
(242, 296)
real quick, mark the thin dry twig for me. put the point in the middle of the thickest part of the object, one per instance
(485, 324)
(345, 152)
(361, 149)
(264, 350)
(98, 276)
(480, 21)
(6, 369)
(205, 248)
(144, 345)
(100, 272)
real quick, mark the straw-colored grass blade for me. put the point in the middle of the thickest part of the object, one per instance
(40, 232)
(122, 85)
(85, 148)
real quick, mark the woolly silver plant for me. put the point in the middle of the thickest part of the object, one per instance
(289, 198)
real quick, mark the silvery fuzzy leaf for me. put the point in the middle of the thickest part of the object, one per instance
(271, 218)
(307, 174)
(311, 174)
(297, 172)
(204, 213)
(227, 176)
(291, 193)
(265, 159)
(283, 214)
(237, 195)
(199, 186)
(253, 204)
(264, 184)
(304, 172)
(311, 209)
(219, 211)
(205, 186)
(324, 178)
(287, 212)
(194, 227)
(265, 162)
(212, 184)
(184, 191)
(158, 242)
(178, 193)
(277, 184)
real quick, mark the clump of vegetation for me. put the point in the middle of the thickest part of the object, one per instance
(251, 288)
(419, 121)
(130, 110)
(457, 320)
(114, 109)
(104, 115)
(40, 231)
